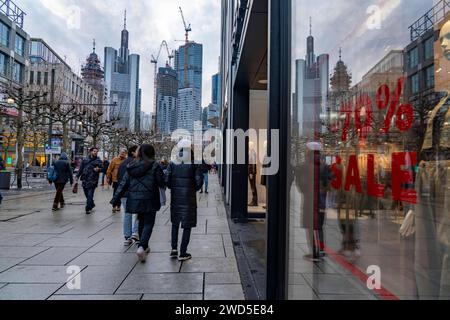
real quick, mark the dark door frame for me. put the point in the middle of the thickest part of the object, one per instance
(279, 103)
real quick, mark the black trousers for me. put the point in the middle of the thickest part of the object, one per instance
(146, 224)
(59, 197)
(115, 185)
(252, 179)
(184, 241)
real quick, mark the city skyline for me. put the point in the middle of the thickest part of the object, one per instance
(75, 23)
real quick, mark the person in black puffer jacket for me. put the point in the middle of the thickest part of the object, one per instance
(64, 174)
(184, 179)
(142, 181)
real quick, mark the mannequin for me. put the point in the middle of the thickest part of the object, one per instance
(265, 165)
(432, 213)
(252, 171)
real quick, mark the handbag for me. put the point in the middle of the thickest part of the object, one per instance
(75, 188)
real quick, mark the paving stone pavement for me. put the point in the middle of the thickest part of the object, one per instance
(70, 256)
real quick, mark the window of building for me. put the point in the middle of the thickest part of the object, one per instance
(20, 45)
(4, 34)
(429, 48)
(45, 78)
(31, 77)
(17, 72)
(413, 56)
(429, 77)
(39, 78)
(3, 64)
(415, 84)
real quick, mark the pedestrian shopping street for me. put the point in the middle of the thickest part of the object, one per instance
(39, 251)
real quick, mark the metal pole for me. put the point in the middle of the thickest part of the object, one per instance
(50, 124)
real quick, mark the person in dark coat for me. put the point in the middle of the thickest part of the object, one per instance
(142, 181)
(205, 169)
(104, 169)
(184, 179)
(64, 174)
(90, 173)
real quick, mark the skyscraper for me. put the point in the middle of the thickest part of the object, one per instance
(311, 94)
(166, 100)
(215, 93)
(122, 82)
(189, 67)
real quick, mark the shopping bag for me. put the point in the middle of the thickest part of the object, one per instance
(162, 196)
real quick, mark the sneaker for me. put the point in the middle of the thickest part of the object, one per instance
(62, 205)
(201, 191)
(174, 254)
(55, 209)
(184, 257)
(128, 242)
(135, 238)
(142, 254)
(206, 192)
(88, 211)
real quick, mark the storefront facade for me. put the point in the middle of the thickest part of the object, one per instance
(358, 90)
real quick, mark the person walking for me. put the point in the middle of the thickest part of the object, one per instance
(205, 170)
(142, 181)
(130, 223)
(90, 174)
(184, 179)
(112, 175)
(64, 175)
(105, 163)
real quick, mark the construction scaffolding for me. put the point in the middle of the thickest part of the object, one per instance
(13, 12)
(437, 14)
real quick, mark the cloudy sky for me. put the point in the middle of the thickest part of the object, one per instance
(69, 26)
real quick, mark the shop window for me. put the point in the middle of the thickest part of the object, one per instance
(368, 173)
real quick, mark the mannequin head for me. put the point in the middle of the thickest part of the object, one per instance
(444, 39)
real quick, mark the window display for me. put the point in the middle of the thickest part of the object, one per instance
(369, 163)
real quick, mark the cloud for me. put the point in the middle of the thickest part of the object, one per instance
(148, 22)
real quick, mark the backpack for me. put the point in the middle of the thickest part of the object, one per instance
(52, 175)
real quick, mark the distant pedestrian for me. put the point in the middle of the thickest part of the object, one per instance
(90, 173)
(105, 163)
(130, 223)
(112, 174)
(143, 180)
(184, 179)
(205, 170)
(2, 164)
(64, 174)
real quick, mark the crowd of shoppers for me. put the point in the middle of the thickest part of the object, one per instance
(140, 182)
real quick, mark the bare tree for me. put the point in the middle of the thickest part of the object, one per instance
(26, 104)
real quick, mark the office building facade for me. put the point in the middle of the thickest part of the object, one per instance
(166, 100)
(122, 82)
(189, 68)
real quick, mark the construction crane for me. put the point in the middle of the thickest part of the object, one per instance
(187, 29)
(155, 60)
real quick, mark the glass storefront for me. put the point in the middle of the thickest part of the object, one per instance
(369, 160)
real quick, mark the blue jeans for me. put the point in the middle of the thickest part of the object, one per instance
(130, 224)
(89, 193)
(205, 179)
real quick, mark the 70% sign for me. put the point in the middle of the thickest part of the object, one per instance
(385, 99)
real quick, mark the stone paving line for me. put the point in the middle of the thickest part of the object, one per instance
(40, 251)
